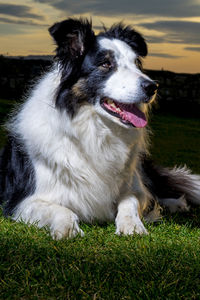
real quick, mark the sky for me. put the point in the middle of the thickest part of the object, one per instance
(170, 27)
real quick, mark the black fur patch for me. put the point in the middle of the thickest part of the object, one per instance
(97, 67)
(74, 38)
(129, 36)
(17, 178)
(93, 75)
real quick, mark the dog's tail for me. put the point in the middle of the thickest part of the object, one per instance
(173, 188)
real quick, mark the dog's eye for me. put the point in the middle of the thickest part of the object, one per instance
(107, 65)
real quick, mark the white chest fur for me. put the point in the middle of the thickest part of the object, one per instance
(84, 168)
(82, 163)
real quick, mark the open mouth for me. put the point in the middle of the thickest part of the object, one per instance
(128, 114)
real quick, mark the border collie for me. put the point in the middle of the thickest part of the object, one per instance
(77, 148)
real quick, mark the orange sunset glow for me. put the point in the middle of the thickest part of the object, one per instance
(170, 27)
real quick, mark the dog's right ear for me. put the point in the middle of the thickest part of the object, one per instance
(73, 38)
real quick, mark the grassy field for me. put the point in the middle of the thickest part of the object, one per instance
(163, 265)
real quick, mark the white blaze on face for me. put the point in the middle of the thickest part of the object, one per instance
(124, 84)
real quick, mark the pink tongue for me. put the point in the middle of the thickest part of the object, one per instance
(133, 115)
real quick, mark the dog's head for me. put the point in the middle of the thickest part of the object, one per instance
(104, 70)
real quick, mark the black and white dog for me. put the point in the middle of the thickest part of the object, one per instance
(77, 148)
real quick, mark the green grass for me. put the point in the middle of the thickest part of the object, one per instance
(176, 141)
(163, 265)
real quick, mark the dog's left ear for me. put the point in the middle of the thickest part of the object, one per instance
(73, 38)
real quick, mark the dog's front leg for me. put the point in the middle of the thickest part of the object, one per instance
(128, 220)
(62, 222)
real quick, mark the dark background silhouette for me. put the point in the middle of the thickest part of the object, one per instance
(178, 93)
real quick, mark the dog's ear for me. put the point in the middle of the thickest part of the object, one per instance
(73, 37)
(138, 43)
(128, 35)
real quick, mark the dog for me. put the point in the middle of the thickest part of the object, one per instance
(77, 148)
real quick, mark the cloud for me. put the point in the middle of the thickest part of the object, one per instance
(20, 22)
(196, 49)
(9, 29)
(165, 55)
(21, 11)
(172, 31)
(175, 31)
(155, 39)
(169, 8)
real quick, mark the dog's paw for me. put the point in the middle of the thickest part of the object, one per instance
(67, 231)
(128, 226)
(175, 205)
(65, 226)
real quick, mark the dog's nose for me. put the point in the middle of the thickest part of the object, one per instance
(149, 87)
